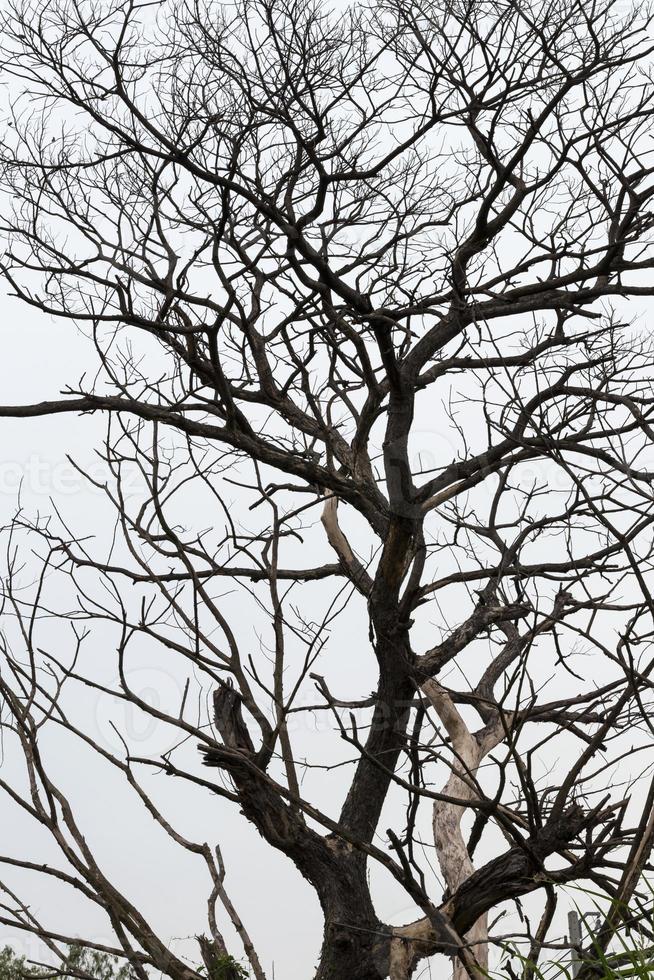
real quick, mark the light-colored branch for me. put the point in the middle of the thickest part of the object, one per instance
(451, 849)
(348, 560)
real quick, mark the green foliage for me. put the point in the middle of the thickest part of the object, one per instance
(634, 960)
(634, 964)
(630, 953)
(101, 966)
(13, 967)
(225, 967)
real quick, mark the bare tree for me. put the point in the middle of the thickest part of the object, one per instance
(356, 283)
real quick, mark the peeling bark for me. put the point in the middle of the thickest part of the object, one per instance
(453, 857)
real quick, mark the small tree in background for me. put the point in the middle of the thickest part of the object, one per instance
(79, 962)
(356, 287)
(12, 966)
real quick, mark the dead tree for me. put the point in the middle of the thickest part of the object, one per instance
(356, 285)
